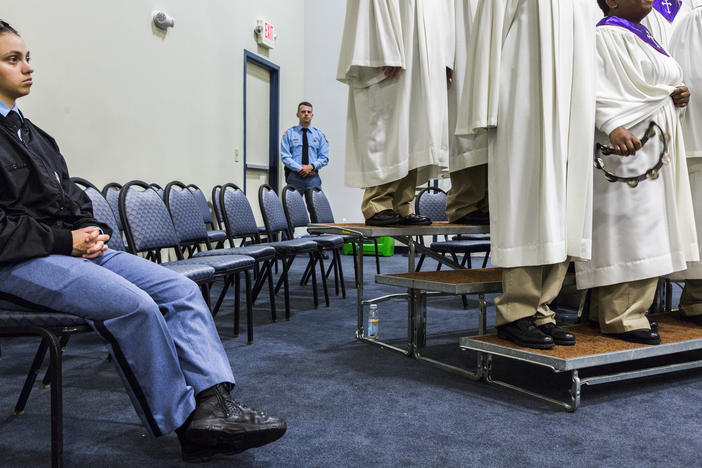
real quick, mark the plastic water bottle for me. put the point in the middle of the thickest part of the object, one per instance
(373, 322)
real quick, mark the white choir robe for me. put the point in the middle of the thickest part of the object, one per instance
(685, 47)
(662, 29)
(396, 125)
(530, 83)
(649, 230)
(464, 151)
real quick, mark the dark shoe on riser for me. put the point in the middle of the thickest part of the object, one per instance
(384, 218)
(696, 319)
(524, 333)
(475, 218)
(415, 220)
(643, 336)
(560, 335)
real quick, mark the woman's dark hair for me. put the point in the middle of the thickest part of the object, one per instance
(5, 27)
(603, 6)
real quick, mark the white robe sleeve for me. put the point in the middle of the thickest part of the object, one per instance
(685, 45)
(624, 96)
(372, 40)
(480, 96)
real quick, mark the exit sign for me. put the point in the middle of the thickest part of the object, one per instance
(265, 33)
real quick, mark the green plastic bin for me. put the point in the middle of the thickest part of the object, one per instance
(386, 247)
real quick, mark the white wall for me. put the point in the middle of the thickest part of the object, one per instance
(126, 101)
(323, 30)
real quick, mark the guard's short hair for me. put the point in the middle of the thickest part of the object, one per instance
(5, 28)
(603, 6)
(304, 103)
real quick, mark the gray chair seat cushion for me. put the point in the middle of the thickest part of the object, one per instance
(27, 318)
(459, 246)
(192, 271)
(223, 263)
(327, 240)
(258, 251)
(288, 247)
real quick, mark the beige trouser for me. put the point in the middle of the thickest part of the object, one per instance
(691, 298)
(468, 192)
(622, 307)
(397, 196)
(527, 292)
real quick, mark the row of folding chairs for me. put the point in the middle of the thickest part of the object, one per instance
(188, 233)
(146, 219)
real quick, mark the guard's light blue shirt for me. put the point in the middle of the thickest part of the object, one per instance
(291, 148)
(4, 110)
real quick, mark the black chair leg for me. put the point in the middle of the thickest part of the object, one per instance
(420, 262)
(485, 259)
(334, 264)
(377, 257)
(324, 279)
(237, 291)
(249, 308)
(32, 376)
(341, 272)
(286, 288)
(63, 342)
(220, 299)
(355, 265)
(306, 275)
(56, 400)
(271, 292)
(313, 261)
(287, 262)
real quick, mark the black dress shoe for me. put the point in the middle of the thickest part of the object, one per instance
(384, 218)
(643, 335)
(560, 336)
(476, 218)
(220, 425)
(415, 220)
(524, 333)
(696, 319)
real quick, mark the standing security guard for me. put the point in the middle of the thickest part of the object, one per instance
(304, 150)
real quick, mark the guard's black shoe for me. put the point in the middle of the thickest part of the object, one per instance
(384, 218)
(415, 220)
(524, 333)
(221, 425)
(696, 319)
(475, 218)
(560, 335)
(643, 335)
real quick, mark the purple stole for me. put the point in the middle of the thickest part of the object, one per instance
(668, 8)
(639, 29)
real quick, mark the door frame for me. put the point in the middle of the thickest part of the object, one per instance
(274, 113)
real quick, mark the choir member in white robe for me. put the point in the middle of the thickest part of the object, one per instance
(645, 230)
(530, 85)
(685, 47)
(467, 201)
(394, 58)
(665, 17)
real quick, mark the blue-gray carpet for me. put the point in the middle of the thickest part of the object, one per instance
(352, 404)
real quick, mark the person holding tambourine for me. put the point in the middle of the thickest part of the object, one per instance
(643, 222)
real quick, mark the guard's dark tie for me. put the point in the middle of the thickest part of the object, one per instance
(305, 147)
